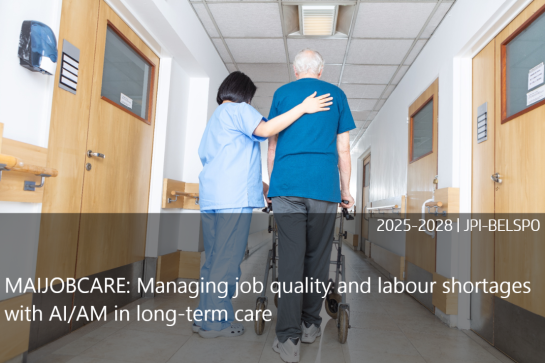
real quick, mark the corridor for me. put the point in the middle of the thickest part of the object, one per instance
(384, 328)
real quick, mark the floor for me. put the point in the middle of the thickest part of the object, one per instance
(385, 328)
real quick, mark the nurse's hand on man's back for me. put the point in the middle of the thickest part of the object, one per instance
(313, 104)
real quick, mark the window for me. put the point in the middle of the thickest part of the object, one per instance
(127, 76)
(523, 57)
(367, 174)
(421, 132)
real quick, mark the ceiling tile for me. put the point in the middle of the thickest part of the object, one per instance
(379, 105)
(362, 91)
(331, 73)
(378, 51)
(247, 19)
(436, 19)
(230, 67)
(388, 91)
(360, 115)
(266, 89)
(416, 51)
(362, 104)
(262, 103)
(391, 20)
(257, 50)
(265, 72)
(222, 50)
(354, 103)
(359, 125)
(400, 74)
(332, 50)
(372, 115)
(368, 74)
(205, 20)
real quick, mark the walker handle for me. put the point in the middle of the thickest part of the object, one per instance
(267, 209)
(347, 215)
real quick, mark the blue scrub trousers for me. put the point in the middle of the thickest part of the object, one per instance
(225, 234)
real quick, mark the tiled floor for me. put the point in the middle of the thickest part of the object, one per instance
(385, 328)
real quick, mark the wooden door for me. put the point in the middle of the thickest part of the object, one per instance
(520, 160)
(365, 201)
(422, 169)
(482, 242)
(116, 188)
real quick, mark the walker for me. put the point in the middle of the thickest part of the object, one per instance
(335, 303)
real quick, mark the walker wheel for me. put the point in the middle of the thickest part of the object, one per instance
(332, 302)
(343, 324)
(259, 323)
(276, 300)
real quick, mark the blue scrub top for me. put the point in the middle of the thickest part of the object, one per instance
(306, 159)
(231, 157)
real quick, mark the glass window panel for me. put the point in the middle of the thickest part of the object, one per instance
(367, 173)
(422, 141)
(524, 52)
(126, 77)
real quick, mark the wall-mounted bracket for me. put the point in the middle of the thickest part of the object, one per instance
(2, 168)
(31, 186)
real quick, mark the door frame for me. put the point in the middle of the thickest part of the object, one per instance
(462, 135)
(359, 192)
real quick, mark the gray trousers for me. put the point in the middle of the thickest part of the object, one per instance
(305, 239)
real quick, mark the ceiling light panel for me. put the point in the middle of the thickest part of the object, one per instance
(392, 20)
(250, 20)
(318, 20)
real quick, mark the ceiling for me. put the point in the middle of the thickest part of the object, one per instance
(385, 38)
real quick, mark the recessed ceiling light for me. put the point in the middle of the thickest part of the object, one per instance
(318, 19)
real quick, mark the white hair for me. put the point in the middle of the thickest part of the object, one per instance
(308, 61)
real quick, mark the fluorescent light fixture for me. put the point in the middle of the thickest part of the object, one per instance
(318, 19)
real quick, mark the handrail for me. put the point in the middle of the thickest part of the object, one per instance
(11, 163)
(433, 204)
(395, 206)
(183, 194)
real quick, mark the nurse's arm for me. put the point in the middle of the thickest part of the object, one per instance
(311, 104)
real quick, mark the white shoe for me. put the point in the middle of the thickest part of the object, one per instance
(195, 328)
(234, 330)
(289, 350)
(310, 333)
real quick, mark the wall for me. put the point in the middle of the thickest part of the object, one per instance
(467, 27)
(26, 107)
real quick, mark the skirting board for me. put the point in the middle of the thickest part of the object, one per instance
(446, 302)
(14, 335)
(391, 262)
(179, 264)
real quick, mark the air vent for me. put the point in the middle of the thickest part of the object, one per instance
(318, 19)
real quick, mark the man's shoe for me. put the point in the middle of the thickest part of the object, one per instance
(289, 350)
(310, 333)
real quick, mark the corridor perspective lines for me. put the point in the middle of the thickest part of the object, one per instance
(385, 328)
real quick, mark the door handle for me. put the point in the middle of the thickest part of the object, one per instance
(90, 154)
(497, 178)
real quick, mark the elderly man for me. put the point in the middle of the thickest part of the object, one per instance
(307, 157)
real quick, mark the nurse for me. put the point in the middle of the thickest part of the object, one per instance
(230, 186)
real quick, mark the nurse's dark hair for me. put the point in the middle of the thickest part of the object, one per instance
(237, 87)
